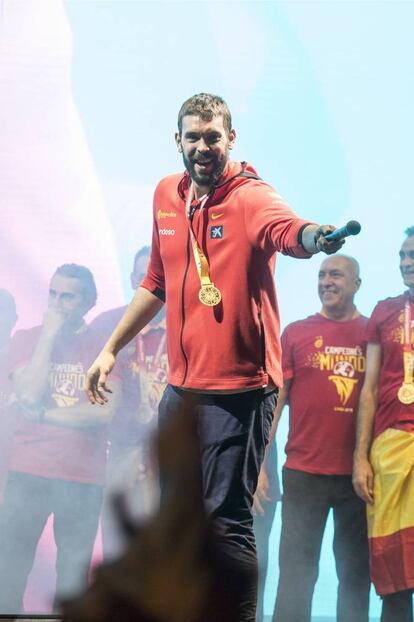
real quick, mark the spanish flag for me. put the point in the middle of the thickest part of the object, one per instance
(391, 517)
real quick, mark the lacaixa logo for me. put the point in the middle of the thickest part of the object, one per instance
(166, 231)
(217, 232)
(161, 214)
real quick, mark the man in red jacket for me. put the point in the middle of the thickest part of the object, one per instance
(217, 228)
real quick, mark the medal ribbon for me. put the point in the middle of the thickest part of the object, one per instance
(199, 257)
(141, 355)
(408, 350)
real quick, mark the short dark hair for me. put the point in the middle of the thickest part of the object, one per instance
(145, 251)
(85, 276)
(206, 106)
(409, 231)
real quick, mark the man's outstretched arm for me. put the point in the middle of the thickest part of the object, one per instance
(143, 307)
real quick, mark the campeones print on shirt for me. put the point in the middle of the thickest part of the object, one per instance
(343, 366)
(67, 381)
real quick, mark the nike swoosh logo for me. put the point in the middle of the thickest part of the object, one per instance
(215, 216)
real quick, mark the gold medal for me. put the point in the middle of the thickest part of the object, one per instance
(406, 393)
(209, 295)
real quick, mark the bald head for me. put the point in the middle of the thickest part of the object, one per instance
(338, 282)
(347, 263)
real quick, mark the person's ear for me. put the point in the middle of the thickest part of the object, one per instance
(178, 142)
(232, 138)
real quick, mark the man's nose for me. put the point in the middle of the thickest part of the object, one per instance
(56, 303)
(406, 260)
(325, 281)
(202, 146)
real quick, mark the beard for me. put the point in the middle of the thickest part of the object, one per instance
(207, 179)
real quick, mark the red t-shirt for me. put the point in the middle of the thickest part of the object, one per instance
(386, 327)
(58, 451)
(325, 360)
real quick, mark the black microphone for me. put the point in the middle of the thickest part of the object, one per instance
(351, 228)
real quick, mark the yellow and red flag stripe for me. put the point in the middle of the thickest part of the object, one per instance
(391, 517)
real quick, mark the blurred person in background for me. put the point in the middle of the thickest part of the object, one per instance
(143, 371)
(58, 455)
(8, 319)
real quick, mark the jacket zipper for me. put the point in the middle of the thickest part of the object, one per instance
(183, 311)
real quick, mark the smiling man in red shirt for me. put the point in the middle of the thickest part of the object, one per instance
(217, 229)
(323, 371)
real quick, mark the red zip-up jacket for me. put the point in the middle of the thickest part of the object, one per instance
(236, 345)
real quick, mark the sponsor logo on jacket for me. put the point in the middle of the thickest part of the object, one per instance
(217, 232)
(161, 214)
